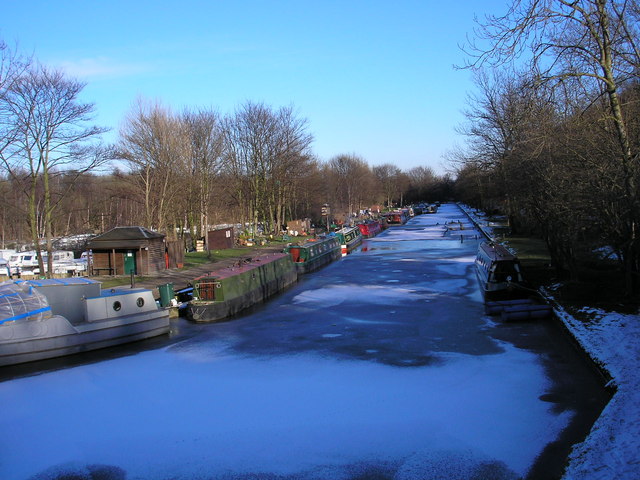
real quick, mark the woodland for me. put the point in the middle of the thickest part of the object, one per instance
(552, 141)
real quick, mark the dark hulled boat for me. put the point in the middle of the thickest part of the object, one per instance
(230, 290)
(314, 254)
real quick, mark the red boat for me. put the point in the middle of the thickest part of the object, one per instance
(395, 218)
(370, 229)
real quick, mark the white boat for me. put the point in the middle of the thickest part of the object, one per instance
(42, 319)
(26, 263)
(498, 271)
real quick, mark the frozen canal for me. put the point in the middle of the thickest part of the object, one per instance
(380, 366)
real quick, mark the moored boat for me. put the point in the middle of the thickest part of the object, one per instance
(350, 238)
(314, 254)
(42, 319)
(370, 228)
(228, 291)
(398, 217)
(498, 271)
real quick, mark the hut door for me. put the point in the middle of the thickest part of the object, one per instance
(130, 262)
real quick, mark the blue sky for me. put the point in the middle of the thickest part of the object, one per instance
(373, 78)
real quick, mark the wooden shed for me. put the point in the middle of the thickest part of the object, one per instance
(220, 239)
(126, 250)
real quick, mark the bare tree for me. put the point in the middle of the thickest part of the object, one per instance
(387, 176)
(49, 132)
(155, 144)
(588, 49)
(204, 132)
(589, 41)
(266, 152)
(350, 175)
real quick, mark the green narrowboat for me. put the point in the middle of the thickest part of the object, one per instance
(350, 238)
(230, 290)
(314, 254)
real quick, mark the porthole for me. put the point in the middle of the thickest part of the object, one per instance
(117, 306)
(140, 302)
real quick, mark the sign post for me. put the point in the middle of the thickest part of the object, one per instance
(325, 213)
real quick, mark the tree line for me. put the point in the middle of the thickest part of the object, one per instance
(553, 131)
(173, 172)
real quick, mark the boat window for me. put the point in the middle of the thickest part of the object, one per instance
(140, 302)
(117, 306)
(506, 269)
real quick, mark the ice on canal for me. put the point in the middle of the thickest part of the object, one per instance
(344, 376)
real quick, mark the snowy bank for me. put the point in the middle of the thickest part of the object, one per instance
(611, 449)
(612, 341)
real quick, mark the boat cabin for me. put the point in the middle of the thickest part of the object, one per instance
(498, 269)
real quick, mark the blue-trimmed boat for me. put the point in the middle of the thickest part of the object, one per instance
(42, 319)
(314, 254)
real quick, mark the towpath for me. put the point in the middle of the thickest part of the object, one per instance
(182, 277)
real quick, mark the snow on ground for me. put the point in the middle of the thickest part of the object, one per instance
(612, 448)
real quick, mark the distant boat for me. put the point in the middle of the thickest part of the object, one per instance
(26, 263)
(350, 238)
(398, 217)
(42, 319)
(314, 254)
(498, 271)
(228, 291)
(370, 228)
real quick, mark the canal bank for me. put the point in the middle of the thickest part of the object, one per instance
(611, 341)
(373, 367)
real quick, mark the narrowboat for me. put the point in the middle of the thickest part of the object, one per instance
(370, 229)
(42, 319)
(350, 238)
(498, 271)
(397, 217)
(314, 254)
(228, 291)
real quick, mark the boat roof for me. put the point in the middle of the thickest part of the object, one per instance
(496, 251)
(47, 282)
(245, 266)
(313, 241)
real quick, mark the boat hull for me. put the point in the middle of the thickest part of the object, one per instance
(314, 254)
(60, 338)
(73, 316)
(235, 291)
(318, 262)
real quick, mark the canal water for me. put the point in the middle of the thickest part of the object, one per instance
(379, 366)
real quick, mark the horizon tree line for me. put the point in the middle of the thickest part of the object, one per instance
(172, 172)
